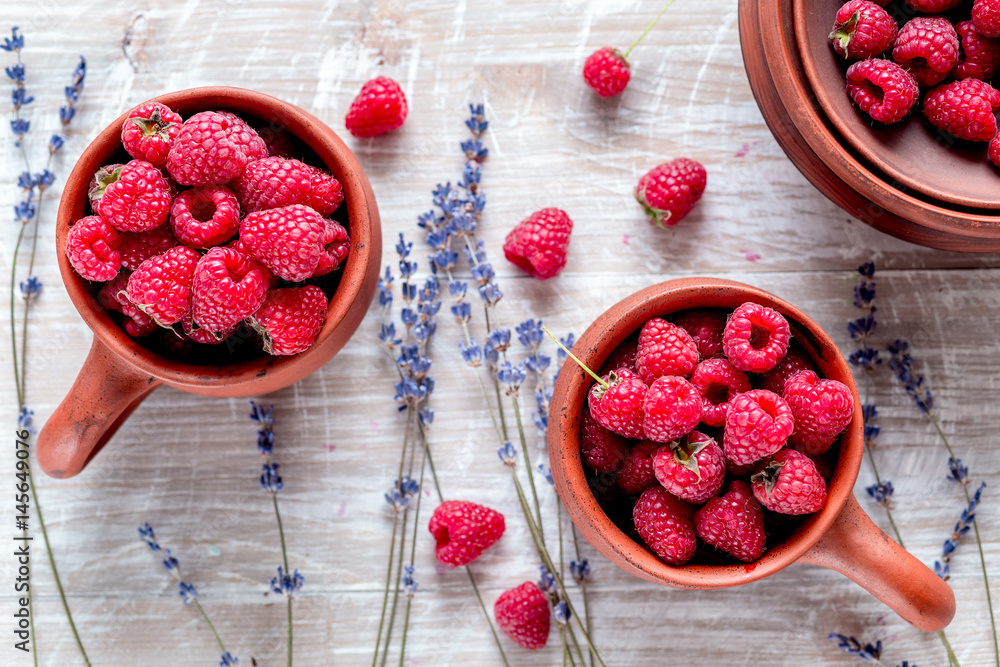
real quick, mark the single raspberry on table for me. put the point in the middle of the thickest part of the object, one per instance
(693, 470)
(618, 407)
(664, 522)
(671, 409)
(463, 530)
(882, 89)
(637, 469)
(228, 286)
(733, 523)
(99, 182)
(622, 357)
(821, 408)
(705, 328)
(717, 381)
(986, 16)
(290, 319)
(522, 614)
(792, 363)
(137, 247)
(213, 148)
(380, 107)
(138, 200)
(669, 191)
(148, 131)
(756, 338)
(664, 349)
(980, 55)
(964, 108)
(602, 450)
(161, 286)
(275, 182)
(927, 47)
(295, 242)
(789, 483)
(538, 244)
(862, 29)
(607, 72)
(205, 216)
(92, 247)
(757, 425)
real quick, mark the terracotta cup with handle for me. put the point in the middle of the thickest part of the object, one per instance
(841, 536)
(120, 371)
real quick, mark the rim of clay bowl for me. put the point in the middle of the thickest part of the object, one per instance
(783, 95)
(569, 397)
(359, 273)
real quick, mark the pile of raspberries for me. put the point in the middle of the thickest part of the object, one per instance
(210, 227)
(712, 429)
(950, 57)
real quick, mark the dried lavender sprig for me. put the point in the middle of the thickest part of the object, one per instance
(903, 364)
(187, 591)
(943, 567)
(870, 653)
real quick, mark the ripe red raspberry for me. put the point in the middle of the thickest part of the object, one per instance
(522, 614)
(671, 409)
(295, 242)
(212, 148)
(884, 90)
(92, 248)
(793, 362)
(205, 216)
(705, 328)
(980, 55)
(161, 286)
(622, 357)
(664, 349)
(148, 131)
(693, 470)
(637, 470)
(932, 6)
(756, 338)
(139, 200)
(664, 523)
(380, 107)
(964, 108)
(137, 247)
(290, 319)
(717, 381)
(113, 296)
(99, 182)
(733, 523)
(463, 531)
(758, 424)
(862, 29)
(203, 336)
(822, 409)
(538, 243)
(228, 286)
(669, 191)
(927, 47)
(994, 151)
(601, 449)
(607, 72)
(986, 16)
(275, 182)
(789, 484)
(618, 407)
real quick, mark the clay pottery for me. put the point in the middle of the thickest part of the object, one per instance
(796, 115)
(120, 371)
(840, 536)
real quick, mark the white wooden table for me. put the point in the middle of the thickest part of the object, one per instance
(188, 465)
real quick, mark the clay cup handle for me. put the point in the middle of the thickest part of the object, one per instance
(861, 551)
(105, 393)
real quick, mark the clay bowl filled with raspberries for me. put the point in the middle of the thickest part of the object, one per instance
(722, 444)
(903, 150)
(217, 240)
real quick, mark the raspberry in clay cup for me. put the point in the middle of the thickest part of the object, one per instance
(839, 536)
(202, 352)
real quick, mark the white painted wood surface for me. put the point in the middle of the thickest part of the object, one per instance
(188, 465)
